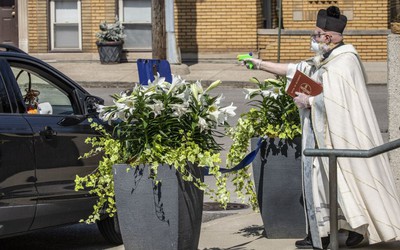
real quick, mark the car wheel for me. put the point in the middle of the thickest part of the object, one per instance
(109, 228)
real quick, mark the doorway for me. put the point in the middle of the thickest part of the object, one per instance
(9, 22)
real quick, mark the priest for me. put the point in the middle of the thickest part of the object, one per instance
(341, 117)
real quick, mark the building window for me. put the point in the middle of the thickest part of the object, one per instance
(65, 19)
(135, 15)
(270, 14)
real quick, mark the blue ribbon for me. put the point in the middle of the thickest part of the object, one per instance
(243, 163)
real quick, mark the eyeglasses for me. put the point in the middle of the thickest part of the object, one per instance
(319, 34)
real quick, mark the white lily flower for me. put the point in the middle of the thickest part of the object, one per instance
(202, 124)
(213, 85)
(219, 99)
(107, 117)
(249, 92)
(276, 81)
(200, 87)
(195, 90)
(228, 111)
(157, 107)
(158, 80)
(122, 115)
(272, 92)
(130, 103)
(183, 96)
(215, 116)
(120, 106)
(180, 109)
(214, 112)
(176, 83)
(100, 108)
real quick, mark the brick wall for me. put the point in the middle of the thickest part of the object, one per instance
(37, 26)
(217, 25)
(362, 14)
(221, 26)
(93, 12)
(297, 47)
(371, 17)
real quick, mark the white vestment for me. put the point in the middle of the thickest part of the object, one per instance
(342, 117)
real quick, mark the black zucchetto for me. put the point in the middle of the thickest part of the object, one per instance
(331, 19)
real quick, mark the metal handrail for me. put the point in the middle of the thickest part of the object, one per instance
(333, 154)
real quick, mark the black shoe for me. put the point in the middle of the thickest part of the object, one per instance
(354, 239)
(305, 243)
(325, 242)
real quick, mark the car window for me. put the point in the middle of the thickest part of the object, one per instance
(41, 96)
(4, 101)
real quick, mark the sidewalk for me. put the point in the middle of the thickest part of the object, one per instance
(244, 231)
(93, 74)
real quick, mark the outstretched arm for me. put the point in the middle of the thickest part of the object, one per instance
(271, 67)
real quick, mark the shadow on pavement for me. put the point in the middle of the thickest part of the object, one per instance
(229, 248)
(80, 236)
(252, 231)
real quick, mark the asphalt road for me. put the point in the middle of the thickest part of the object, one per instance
(82, 236)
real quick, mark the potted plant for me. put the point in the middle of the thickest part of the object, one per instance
(277, 167)
(160, 139)
(109, 42)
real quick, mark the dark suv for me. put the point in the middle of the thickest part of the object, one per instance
(43, 126)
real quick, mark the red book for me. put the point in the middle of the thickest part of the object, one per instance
(304, 84)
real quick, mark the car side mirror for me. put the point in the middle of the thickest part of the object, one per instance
(71, 120)
(91, 103)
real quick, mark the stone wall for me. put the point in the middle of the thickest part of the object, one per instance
(394, 102)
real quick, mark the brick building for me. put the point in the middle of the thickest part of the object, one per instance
(203, 27)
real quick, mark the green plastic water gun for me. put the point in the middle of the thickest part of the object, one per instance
(244, 56)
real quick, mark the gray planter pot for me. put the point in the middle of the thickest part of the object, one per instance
(110, 52)
(277, 176)
(166, 217)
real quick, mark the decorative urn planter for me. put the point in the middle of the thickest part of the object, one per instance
(110, 52)
(278, 181)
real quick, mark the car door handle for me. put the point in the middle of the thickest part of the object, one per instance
(48, 132)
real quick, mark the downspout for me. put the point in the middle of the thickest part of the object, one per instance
(173, 56)
(279, 28)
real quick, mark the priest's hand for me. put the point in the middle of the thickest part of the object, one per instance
(302, 101)
(252, 61)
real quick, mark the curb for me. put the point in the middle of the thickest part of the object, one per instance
(127, 85)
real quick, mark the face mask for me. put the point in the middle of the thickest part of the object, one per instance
(316, 46)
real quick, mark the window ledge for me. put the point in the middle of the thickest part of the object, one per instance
(376, 32)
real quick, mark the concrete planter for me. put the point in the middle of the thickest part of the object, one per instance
(166, 217)
(277, 176)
